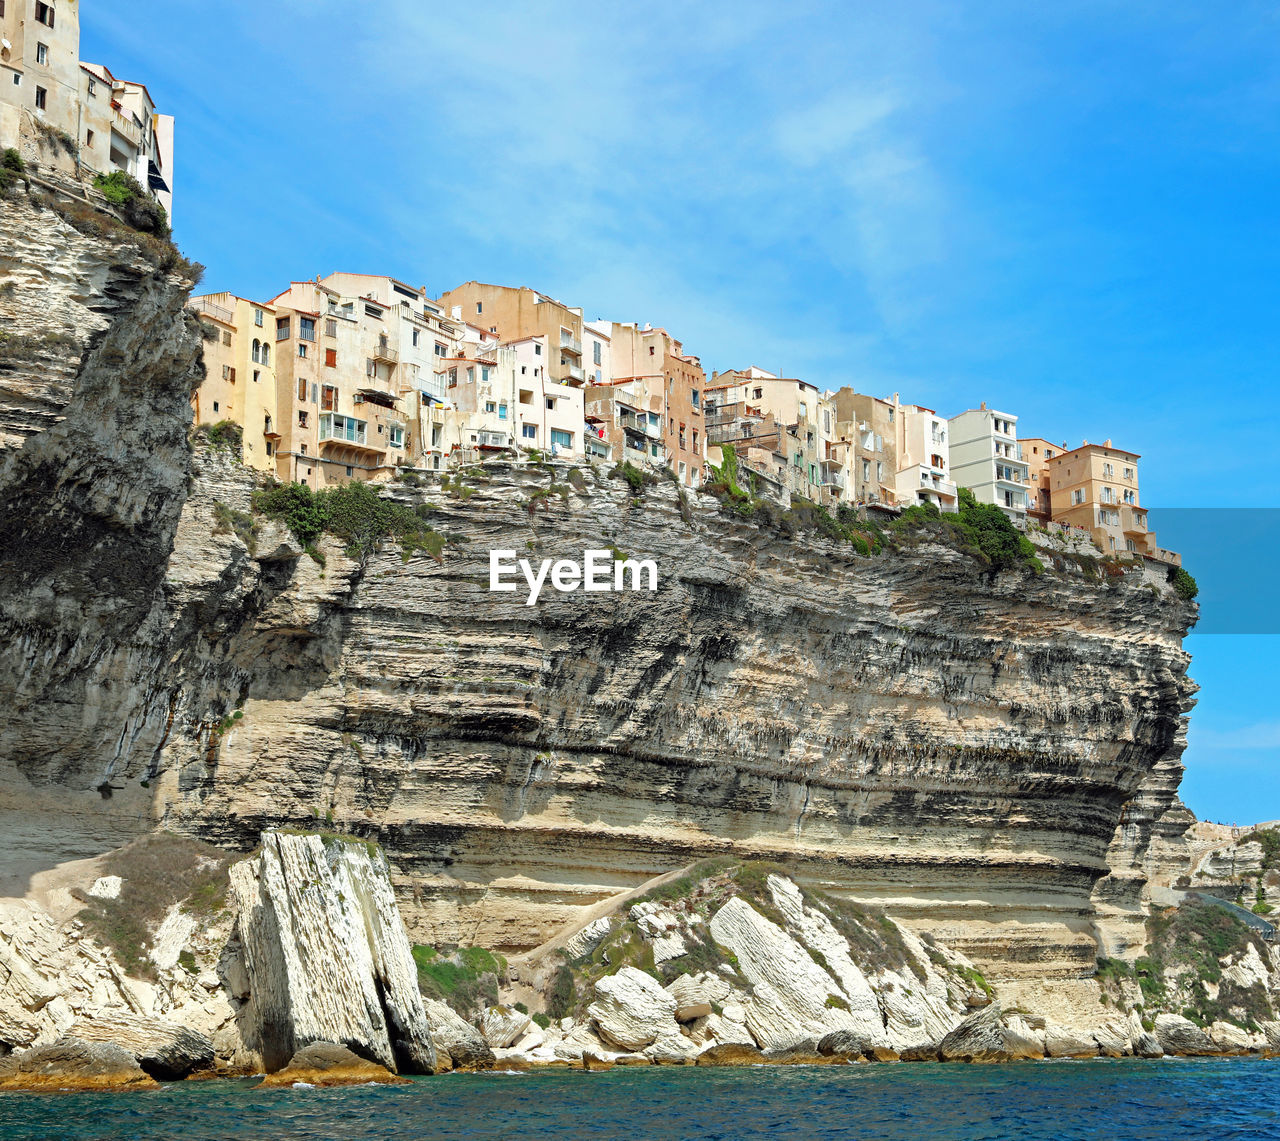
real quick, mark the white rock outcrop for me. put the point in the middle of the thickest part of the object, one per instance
(632, 1010)
(326, 953)
(503, 1025)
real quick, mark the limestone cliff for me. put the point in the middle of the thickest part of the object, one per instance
(987, 758)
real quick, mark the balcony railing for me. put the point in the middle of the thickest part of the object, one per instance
(383, 352)
(217, 312)
(570, 342)
(574, 371)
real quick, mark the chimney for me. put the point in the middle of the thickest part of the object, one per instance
(1108, 443)
(982, 407)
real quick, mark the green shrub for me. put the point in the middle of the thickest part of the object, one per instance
(1184, 584)
(135, 204)
(541, 1020)
(466, 979)
(562, 993)
(636, 479)
(295, 505)
(11, 165)
(225, 436)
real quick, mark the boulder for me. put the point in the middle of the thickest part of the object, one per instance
(503, 1025)
(661, 928)
(842, 1042)
(692, 1011)
(1231, 1039)
(990, 1035)
(326, 953)
(1060, 1042)
(1271, 1031)
(582, 943)
(459, 1045)
(688, 990)
(632, 1010)
(731, 1054)
(73, 1064)
(1113, 1040)
(1143, 1042)
(162, 1048)
(328, 1064)
(1178, 1035)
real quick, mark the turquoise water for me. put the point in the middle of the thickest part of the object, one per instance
(1098, 1100)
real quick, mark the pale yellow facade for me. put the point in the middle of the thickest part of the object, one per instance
(240, 380)
(1095, 487)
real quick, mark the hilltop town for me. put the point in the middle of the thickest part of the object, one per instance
(364, 377)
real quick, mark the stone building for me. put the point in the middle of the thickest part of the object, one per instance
(76, 116)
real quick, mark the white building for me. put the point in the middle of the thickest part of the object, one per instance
(924, 459)
(987, 459)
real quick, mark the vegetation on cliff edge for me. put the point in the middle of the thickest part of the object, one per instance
(355, 513)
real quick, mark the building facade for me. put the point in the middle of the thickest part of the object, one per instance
(1095, 487)
(240, 378)
(102, 123)
(924, 459)
(1036, 454)
(987, 459)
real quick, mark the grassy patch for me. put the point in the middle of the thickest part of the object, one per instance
(465, 978)
(156, 872)
(241, 523)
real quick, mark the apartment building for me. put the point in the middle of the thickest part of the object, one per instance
(597, 360)
(550, 413)
(1036, 454)
(765, 416)
(866, 428)
(341, 413)
(516, 313)
(46, 90)
(658, 378)
(924, 459)
(987, 459)
(1095, 487)
(240, 379)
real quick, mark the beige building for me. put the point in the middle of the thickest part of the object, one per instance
(513, 314)
(651, 410)
(341, 413)
(1095, 487)
(240, 379)
(867, 426)
(1036, 454)
(46, 90)
(986, 457)
(783, 428)
(924, 464)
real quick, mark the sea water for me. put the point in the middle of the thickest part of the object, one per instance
(1060, 1100)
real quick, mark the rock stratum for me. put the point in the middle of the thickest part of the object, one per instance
(993, 759)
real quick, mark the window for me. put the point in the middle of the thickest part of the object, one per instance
(372, 311)
(440, 349)
(302, 349)
(502, 411)
(1107, 471)
(1129, 497)
(695, 396)
(1128, 473)
(551, 403)
(479, 306)
(302, 418)
(597, 376)
(88, 138)
(315, 394)
(330, 327)
(331, 358)
(415, 337)
(453, 378)
(490, 406)
(41, 98)
(395, 432)
(282, 328)
(1108, 495)
(226, 338)
(328, 398)
(42, 53)
(651, 350)
(215, 405)
(471, 375)
(17, 79)
(1077, 496)
(256, 373)
(523, 370)
(350, 471)
(257, 317)
(595, 352)
(302, 388)
(228, 374)
(484, 373)
(307, 328)
(437, 434)
(529, 432)
(93, 83)
(44, 14)
(537, 349)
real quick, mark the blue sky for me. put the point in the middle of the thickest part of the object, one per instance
(1065, 210)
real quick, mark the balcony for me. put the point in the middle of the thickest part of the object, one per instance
(217, 312)
(574, 372)
(570, 344)
(1133, 521)
(383, 352)
(125, 125)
